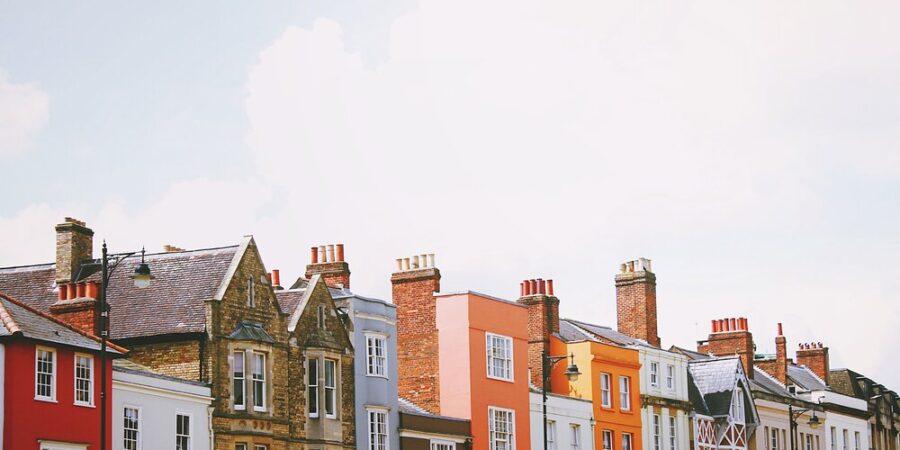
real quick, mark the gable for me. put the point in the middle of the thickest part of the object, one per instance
(305, 323)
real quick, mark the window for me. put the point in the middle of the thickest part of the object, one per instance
(240, 446)
(654, 374)
(499, 357)
(442, 445)
(833, 445)
(575, 438)
(131, 429)
(737, 407)
(376, 360)
(774, 439)
(320, 316)
(45, 374)
(626, 441)
(605, 397)
(551, 435)
(84, 380)
(673, 434)
(657, 439)
(239, 390)
(260, 447)
(670, 376)
(846, 437)
(607, 440)
(625, 394)
(259, 381)
(330, 387)
(817, 443)
(313, 385)
(501, 427)
(809, 442)
(378, 430)
(856, 440)
(182, 432)
(251, 292)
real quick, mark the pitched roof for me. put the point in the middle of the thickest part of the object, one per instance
(173, 304)
(803, 377)
(716, 381)
(570, 332)
(18, 319)
(289, 299)
(692, 355)
(608, 334)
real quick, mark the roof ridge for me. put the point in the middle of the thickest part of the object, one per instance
(26, 307)
(24, 266)
(222, 247)
(7, 319)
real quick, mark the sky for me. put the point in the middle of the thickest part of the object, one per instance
(750, 149)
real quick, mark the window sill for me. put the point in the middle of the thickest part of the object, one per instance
(84, 405)
(375, 375)
(46, 399)
(330, 417)
(239, 408)
(257, 409)
(508, 380)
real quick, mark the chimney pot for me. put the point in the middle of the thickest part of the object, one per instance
(534, 286)
(631, 266)
(415, 261)
(715, 325)
(406, 265)
(399, 264)
(733, 324)
(527, 285)
(314, 255)
(550, 287)
(340, 252)
(623, 268)
(276, 277)
(521, 289)
(780, 329)
(81, 289)
(72, 292)
(330, 252)
(431, 260)
(93, 288)
(63, 291)
(542, 287)
(323, 256)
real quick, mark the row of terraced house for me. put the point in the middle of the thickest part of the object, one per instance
(217, 354)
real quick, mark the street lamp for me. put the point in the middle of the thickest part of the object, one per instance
(141, 279)
(572, 374)
(814, 421)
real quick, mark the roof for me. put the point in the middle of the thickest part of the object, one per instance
(713, 383)
(608, 334)
(173, 304)
(407, 407)
(570, 332)
(692, 355)
(251, 331)
(124, 365)
(844, 381)
(18, 319)
(763, 382)
(289, 299)
(803, 377)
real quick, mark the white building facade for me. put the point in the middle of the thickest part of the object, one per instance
(152, 411)
(664, 393)
(846, 423)
(570, 423)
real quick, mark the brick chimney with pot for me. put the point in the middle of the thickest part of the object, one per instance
(328, 261)
(731, 337)
(74, 246)
(636, 301)
(815, 356)
(413, 286)
(543, 321)
(777, 367)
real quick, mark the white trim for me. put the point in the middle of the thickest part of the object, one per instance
(90, 402)
(384, 339)
(243, 405)
(233, 267)
(190, 434)
(451, 445)
(512, 366)
(160, 392)
(387, 428)
(54, 375)
(45, 445)
(253, 381)
(298, 312)
(512, 426)
(140, 426)
(334, 389)
(318, 402)
(429, 436)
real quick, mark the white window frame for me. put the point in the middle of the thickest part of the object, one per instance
(377, 439)
(606, 391)
(774, 439)
(312, 383)
(670, 376)
(833, 434)
(624, 393)
(440, 444)
(240, 446)
(376, 365)
(53, 373)
(606, 440)
(846, 436)
(259, 404)
(243, 379)
(575, 436)
(551, 435)
(511, 434)
(55, 445)
(138, 431)
(508, 362)
(857, 440)
(260, 447)
(673, 433)
(90, 379)
(630, 440)
(330, 390)
(654, 373)
(737, 407)
(190, 434)
(657, 432)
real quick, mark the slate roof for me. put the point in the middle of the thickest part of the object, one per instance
(692, 355)
(409, 407)
(18, 319)
(608, 334)
(843, 381)
(569, 332)
(803, 377)
(251, 331)
(763, 382)
(173, 304)
(715, 381)
(289, 299)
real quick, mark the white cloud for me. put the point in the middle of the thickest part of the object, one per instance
(24, 109)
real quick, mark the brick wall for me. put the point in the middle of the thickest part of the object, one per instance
(814, 356)
(732, 343)
(80, 313)
(178, 359)
(636, 305)
(540, 326)
(417, 337)
(335, 274)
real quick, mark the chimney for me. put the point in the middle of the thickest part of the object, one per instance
(815, 356)
(276, 280)
(74, 246)
(543, 321)
(328, 261)
(730, 337)
(413, 286)
(172, 249)
(77, 305)
(636, 301)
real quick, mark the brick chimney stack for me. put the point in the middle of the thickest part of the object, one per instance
(815, 356)
(413, 286)
(328, 261)
(731, 337)
(543, 320)
(74, 246)
(636, 301)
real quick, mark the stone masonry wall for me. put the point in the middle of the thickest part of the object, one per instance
(176, 359)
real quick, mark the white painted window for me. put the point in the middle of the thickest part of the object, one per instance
(575, 438)
(654, 374)
(45, 374)
(312, 383)
(259, 381)
(846, 439)
(330, 388)
(809, 442)
(240, 446)
(501, 427)
(670, 377)
(239, 381)
(131, 428)
(260, 447)
(376, 355)
(657, 432)
(84, 379)
(499, 357)
(833, 445)
(442, 445)
(605, 390)
(625, 393)
(626, 441)
(737, 407)
(856, 440)
(551, 435)
(51, 445)
(182, 432)
(607, 440)
(673, 434)
(378, 429)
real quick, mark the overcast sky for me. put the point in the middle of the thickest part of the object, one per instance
(752, 151)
